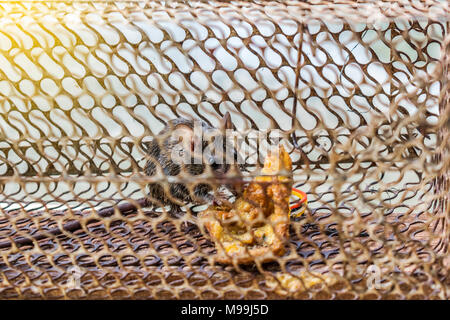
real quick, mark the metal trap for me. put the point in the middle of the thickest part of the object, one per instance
(363, 112)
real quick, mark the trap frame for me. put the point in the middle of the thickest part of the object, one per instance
(363, 112)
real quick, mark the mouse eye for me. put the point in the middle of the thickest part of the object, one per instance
(211, 160)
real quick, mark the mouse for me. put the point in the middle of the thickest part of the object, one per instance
(185, 149)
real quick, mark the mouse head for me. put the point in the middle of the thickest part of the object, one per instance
(195, 145)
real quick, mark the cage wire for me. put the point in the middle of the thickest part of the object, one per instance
(357, 91)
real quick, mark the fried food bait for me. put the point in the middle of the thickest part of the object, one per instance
(255, 226)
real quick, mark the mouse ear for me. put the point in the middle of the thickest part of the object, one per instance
(226, 121)
(184, 134)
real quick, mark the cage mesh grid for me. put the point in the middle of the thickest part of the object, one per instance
(85, 85)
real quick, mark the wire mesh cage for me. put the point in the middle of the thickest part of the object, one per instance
(356, 92)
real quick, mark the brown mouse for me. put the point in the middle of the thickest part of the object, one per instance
(179, 140)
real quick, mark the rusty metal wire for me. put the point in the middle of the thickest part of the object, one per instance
(363, 112)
